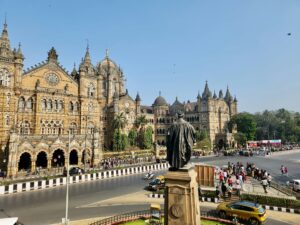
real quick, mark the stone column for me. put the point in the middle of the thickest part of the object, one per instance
(181, 197)
(49, 164)
(33, 165)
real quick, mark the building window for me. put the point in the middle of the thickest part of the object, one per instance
(76, 107)
(73, 128)
(29, 104)
(4, 77)
(91, 90)
(25, 128)
(90, 128)
(7, 120)
(8, 97)
(71, 107)
(21, 104)
(49, 105)
(44, 104)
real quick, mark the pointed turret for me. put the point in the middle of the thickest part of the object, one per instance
(235, 100)
(228, 96)
(137, 98)
(206, 93)
(5, 50)
(52, 56)
(74, 72)
(221, 94)
(86, 66)
(198, 96)
(18, 54)
(215, 95)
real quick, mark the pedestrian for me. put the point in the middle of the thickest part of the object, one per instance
(230, 182)
(269, 179)
(217, 193)
(282, 169)
(238, 187)
(265, 184)
(229, 191)
(224, 189)
(286, 171)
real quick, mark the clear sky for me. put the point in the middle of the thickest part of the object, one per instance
(173, 46)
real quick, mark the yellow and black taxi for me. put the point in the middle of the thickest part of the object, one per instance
(243, 210)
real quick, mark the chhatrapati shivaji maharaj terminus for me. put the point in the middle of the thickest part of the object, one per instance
(39, 107)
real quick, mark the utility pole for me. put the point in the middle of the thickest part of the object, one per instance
(68, 180)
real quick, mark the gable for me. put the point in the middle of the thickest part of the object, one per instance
(49, 76)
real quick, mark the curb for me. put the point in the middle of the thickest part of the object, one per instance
(215, 200)
(44, 184)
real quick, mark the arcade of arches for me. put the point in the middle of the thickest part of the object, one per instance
(27, 162)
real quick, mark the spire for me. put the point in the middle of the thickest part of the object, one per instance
(87, 57)
(4, 31)
(52, 56)
(228, 96)
(74, 71)
(206, 93)
(137, 98)
(198, 96)
(18, 53)
(235, 100)
(215, 96)
(221, 94)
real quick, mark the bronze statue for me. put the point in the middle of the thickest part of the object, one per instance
(180, 141)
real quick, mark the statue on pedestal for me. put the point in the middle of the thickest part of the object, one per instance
(180, 141)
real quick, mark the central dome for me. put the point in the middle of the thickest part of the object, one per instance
(160, 101)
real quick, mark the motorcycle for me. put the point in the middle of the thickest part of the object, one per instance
(149, 176)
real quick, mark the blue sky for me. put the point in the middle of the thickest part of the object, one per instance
(173, 46)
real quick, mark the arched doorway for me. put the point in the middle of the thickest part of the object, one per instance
(73, 157)
(25, 162)
(41, 160)
(58, 158)
(221, 144)
(88, 157)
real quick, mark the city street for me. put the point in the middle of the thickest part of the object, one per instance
(48, 206)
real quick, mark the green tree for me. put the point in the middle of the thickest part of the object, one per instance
(246, 124)
(200, 135)
(141, 121)
(146, 141)
(119, 121)
(132, 137)
(240, 138)
(120, 141)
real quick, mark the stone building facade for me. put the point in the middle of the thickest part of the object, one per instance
(210, 113)
(44, 108)
(42, 105)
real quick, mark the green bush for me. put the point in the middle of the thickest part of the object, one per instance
(272, 201)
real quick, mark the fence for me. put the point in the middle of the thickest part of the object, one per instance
(125, 217)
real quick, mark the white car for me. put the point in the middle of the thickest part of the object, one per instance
(10, 221)
(295, 184)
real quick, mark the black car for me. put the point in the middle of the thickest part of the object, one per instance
(74, 171)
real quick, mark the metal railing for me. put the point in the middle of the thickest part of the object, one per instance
(125, 217)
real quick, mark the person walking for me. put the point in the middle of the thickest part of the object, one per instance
(286, 171)
(238, 187)
(269, 179)
(229, 191)
(265, 184)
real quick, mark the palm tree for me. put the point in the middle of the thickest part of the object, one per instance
(141, 121)
(119, 121)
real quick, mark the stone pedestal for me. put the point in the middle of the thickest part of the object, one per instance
(181, 197)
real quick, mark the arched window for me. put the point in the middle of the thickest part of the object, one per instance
(55, 105)
(76, 108)
(29, 103)
(25, 128)
(90, 128)
(21, 104)
(91, 90)
(44, 104)
(73, 128)
(71, 107)
(4, 77)
(49, 104)
(60, 105)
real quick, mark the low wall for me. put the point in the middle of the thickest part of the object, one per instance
(43, 184)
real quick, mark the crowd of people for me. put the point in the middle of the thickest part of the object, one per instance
(113, 162)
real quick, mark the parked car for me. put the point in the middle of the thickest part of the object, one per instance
(243, 210)
(295, 184)
(10, 221)
(74, 171)
(156, 184)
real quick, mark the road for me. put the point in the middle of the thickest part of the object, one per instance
(48, 206)
(270, 163)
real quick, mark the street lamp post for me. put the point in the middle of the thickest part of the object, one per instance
(68, 180)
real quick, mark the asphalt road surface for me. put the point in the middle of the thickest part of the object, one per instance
(48, 206)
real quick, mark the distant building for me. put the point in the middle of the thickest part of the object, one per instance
(41, 105)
